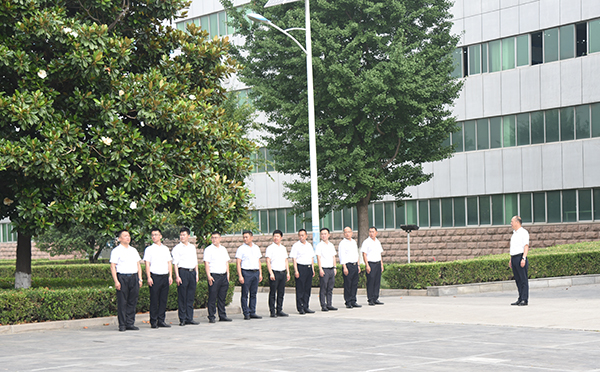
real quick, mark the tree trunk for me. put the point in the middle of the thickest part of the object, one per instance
(362, 208)
(23, 267)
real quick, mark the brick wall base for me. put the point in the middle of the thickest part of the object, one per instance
(8, 251)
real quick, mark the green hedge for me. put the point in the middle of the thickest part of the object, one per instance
(57, 283)
(489, 269)
(45, 261)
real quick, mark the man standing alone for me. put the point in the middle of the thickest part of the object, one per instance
(371, 250)
(304, 270)
(185, 260)
(519, 248)
(127, 273)
(279, 273)
(159, 273)
(249, 273)
(348, 251)
(326, 259)
(216, 263)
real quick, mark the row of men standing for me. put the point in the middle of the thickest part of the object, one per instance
(126, 272)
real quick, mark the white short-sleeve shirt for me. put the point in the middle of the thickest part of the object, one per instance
(185, 256)
(126, 259)
(250, 256)
(327, 253)
(348, 251)
(159, 258)
(217, 258)
(518, 241)
(303, 253)
(373, 249)
(277, 253)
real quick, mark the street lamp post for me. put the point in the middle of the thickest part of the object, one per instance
(314, 190)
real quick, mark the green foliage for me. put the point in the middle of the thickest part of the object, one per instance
(383, 93)
(76, 238)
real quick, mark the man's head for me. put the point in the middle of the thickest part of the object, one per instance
(347, 232)
(124, 238)
(325, 234)
(215, 238)
(156, 235)
(247, 236)
(277, 235)
(184, 235)
(302, 234)
(516, 222)
(373, 232)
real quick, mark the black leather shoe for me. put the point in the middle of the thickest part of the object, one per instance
(191, 322)
(309, 311)
(212, 321)
(377, 302)
(153, 326)
(301, 312)
(522, 303)
(349, 306)
(371, 303)
(516, 303)
(331, 308)
(281, 313)
(254, 316)
(164, 325)
(224, 319)
(324, 309)
(181, 324)
(121, 329)
(132, 328)
(246, 317)
(273, 315)
(356, 305)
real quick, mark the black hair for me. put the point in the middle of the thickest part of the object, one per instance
(299, 231)
(247, 232)
(326, 229)
(278, 232)
(155, 229)
(185, 229)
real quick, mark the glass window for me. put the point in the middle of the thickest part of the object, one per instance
(537, 127)
(457, 138)
(484, 210)
(400, 214)
(497, 210)
(181, 26)
(525, 207)
(596, 204)
(484, 58)
(470, 139)
(371, 222)
(447, 212)
(553, 202)
(551, 45)
(255, 218)
(222, 24)
(354, 219)
(585, 205)
(537, 52)
(338, 224)
(567, 125)
(594, 36)
(308, 221)
(272, 219)
(327, 222)
(423, 213)
(539, 207)
(523, 50)
(552, 126)
(289, 223)
(457, 57)
(510, 207)
(459, 212)
(214, 25)
(595, 120)
(260, 158)
(582, 121)
(474, 59)
(264, 222)
(270, 162)
(508, 53)
(567, 42)
(569, 205)
(411, 212)
(465, 61)
(230, 28)
(472, 215)
(204, 23)
(446, 142)
(299, 222)
(347, 213)
(508, 131)
(378, 215)
(523, 129)
(280, 220)
(581, 39)
(495, 132)
(389, 215)
(495, 55)
(434, 212)
(483, 135)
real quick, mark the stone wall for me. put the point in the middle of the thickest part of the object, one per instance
(8, 251)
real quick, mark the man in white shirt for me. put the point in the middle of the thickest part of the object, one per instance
(249, 273)
(126, 272)
(185, 260)
(348, 252)
(216, 263)
(279, 273)
(371, 250)
(159, 273)
(519, 248)
(304, 270)
(326, 260)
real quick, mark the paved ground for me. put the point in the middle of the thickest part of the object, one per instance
(558, 331)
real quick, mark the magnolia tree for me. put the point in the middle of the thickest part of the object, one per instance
(382, 88)
(109, 118)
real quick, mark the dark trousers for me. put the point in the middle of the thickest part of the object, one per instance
(127, 298)
(277, 288)
(217, 292)
(326, 283)
(186, 294)
(159, 292)
(520, 274)
(351, 284)
(374, 281)
(250, 286)
(303, 286)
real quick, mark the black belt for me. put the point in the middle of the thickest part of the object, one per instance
(279, 271)
(126, 274)
(350, 263)
(327, 268)
(215, 274)
(183, 268)
(153, 274)
(304, 265)
(374, 262)
(250, 270)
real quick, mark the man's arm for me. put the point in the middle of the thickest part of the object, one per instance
(260, 278)
(296, 273)
(525, 252)
(367, 267)
(148, 274)
(208, 276)
(239, 270)
(287, 269)
(113, 272)
(270, 269)
(227, 269)
(140, 274)
(170, 272)
(321, 272)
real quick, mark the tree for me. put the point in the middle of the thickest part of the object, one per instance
(383, 93)
(77, 238)
(108, 118)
